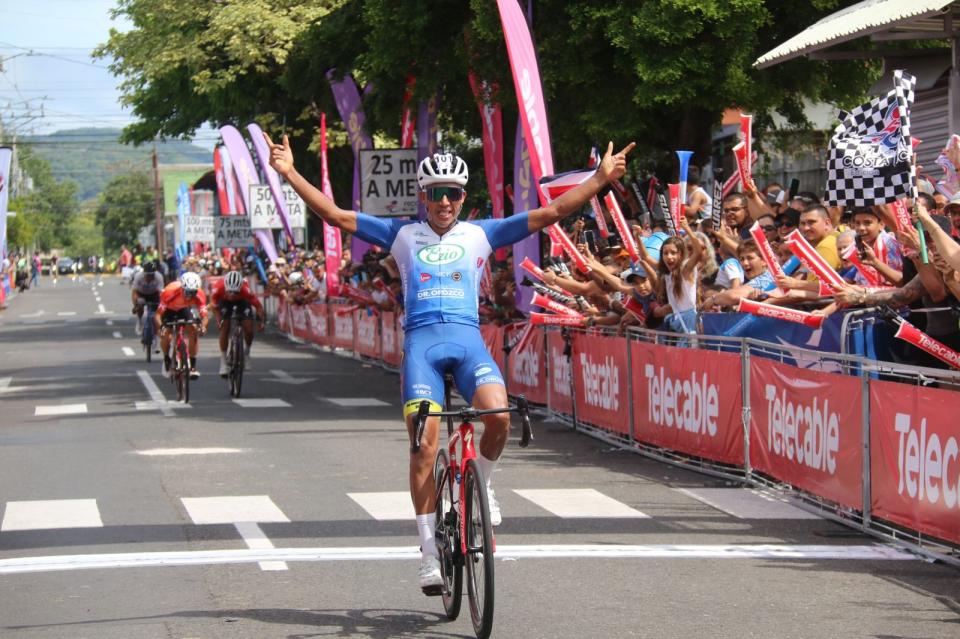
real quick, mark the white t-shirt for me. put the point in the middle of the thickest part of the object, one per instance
(688, 292)
(730, 270)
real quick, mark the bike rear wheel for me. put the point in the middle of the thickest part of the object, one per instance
(479, 559)
(448, 536)
(146, 337)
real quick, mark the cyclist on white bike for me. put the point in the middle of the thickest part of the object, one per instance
(440, 261)
(145, 289)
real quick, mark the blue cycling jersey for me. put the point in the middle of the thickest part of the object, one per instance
(441, 274)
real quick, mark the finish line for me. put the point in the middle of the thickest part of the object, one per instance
(408, 553)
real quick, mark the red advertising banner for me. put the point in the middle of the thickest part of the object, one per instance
(342, 329)
(493, 338)
(915, 458)
(368, 337)
(688, 402)
(283, 315)
(805, 429)
(560, 397)
(600, 374)
(298, 320)
(390, 345)
(319, 321)
(526, 367)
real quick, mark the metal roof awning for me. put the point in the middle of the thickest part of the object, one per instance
(866, 18)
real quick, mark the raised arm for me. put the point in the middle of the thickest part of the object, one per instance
(281, 159)
(612, 167)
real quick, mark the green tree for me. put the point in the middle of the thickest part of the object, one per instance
(660, 72)
(49, 207)
(125, 206)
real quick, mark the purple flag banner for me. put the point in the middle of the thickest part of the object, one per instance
(524, 199)
(347, 97)
(273, 178)
(246, 173)
(6, 158)
(426, 137)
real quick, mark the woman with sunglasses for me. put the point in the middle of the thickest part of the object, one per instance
(440, 261)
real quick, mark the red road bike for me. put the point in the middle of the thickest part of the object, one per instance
(464, 533)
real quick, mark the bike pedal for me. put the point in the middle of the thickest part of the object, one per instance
(432, 591)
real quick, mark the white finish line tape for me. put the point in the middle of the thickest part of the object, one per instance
(409, 553)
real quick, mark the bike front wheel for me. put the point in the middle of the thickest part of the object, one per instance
(183, 373)
(236, 364)
(448, 536)
(479, 558)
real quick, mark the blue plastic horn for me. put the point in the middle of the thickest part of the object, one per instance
(684, 166)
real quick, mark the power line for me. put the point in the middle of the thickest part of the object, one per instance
(34, 52)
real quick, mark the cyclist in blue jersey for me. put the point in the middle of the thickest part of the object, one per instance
(440, 261)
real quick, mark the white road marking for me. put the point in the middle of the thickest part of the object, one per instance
(285, 378)
(66, 313)
(100, 283)
(745, 503)
(156, 397)
(117, 335)
(261, 402)
(386, 506)
(776, 552)
(160, 452)
(579, 502)
(128, 351)
(109, 322)
(166, 405)
(35, 314)
(356, 402)
(5, 385)
(63, 409)
(101, 309)
(52, 513)
(244, 512)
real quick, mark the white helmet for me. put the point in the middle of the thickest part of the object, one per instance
(233, 282)
(190, 282)
(442, 168)
(295, 278)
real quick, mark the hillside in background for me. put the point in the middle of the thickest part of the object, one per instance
(92, 156)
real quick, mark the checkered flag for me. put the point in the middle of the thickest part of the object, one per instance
(869, 161)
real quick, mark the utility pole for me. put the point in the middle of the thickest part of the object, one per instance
(158, 203)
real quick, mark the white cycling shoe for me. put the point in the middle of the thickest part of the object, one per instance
(224, 369)
(429, 574)
(496, 517)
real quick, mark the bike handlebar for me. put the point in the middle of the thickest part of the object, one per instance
(468, 414)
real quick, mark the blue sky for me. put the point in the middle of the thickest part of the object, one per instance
(45, 46)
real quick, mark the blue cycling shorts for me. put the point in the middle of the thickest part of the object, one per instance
(431, 351)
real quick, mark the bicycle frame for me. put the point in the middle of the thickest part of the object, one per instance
(463, 437)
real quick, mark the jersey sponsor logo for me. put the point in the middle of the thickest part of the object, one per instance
(440, 254)
(430, 293)
(490, 379)
(425, 277)
(483, 370)
(456, 276)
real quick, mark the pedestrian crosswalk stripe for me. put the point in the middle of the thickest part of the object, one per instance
(744, 503)
(172, 452)
(233, 509)
(356, 402)
(579, 503)
(255, 402)
(128, 351)
(63, 409)
(51, 513)
(386, 506)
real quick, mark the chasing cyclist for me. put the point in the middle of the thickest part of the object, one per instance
(232, 299)
(145, 289)
(440, 262)
(184, 300)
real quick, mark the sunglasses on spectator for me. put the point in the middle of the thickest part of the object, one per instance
(784, 225)
(437, 193)
(768, 227)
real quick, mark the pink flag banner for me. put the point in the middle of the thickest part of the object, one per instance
(6, 159)
(272, 177)
(347, 97)
(524, 199)
(426, 137)
(218, 173)
(246, 174)
(234, 205)
(407, 123)
(779, 312)
(491, 120)
(332, 243)
(618, 220)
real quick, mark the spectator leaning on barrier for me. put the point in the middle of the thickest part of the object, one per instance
(679, 281)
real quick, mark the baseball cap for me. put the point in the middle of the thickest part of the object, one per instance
(954, 201)
(636, 270)
(790, 216)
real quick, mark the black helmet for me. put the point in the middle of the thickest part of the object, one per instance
(150, 267)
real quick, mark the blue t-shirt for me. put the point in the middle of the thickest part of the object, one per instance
(441, 274)
(763, 282)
